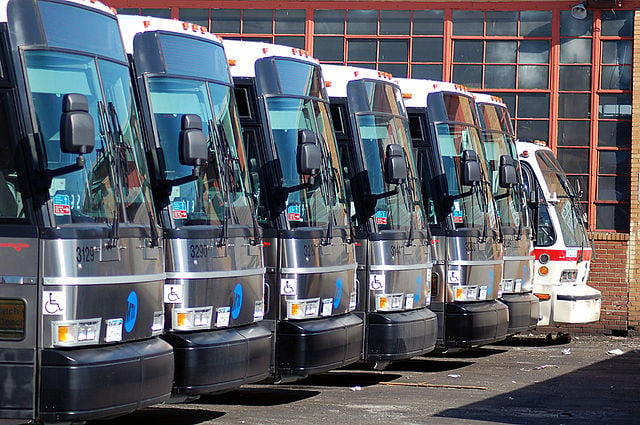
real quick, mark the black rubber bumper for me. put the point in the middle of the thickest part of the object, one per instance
(218, 360)
(474, 324)
(88, 383)
(524, 309)
(314, 346)
(402, 335)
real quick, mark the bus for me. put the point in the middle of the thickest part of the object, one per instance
(82, 266)
(461, 212)
(297, 185)
(562, 250)
(517, 242)
(393, 246)
(213, 295)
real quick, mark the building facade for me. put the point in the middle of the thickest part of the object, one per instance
(567, 79)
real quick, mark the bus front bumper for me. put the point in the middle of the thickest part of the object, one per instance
(476, 323)
(524, 309)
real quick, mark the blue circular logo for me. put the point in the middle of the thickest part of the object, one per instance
(338, 295)
(132, 311)
(416, 296)
(237, 301)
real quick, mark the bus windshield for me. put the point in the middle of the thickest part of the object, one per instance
(498, 142)
(454, 137)
(296, 101)
(114, 175)
(382, 120)
(221, 186)
(569, 216)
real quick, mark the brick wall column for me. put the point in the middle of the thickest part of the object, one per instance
(634, 214)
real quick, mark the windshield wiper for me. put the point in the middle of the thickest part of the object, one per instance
(106, 132)
(326, 194)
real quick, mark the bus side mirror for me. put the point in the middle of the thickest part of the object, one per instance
(470, 168)
(77, 131)
(308, 156)
(192, 143)
(507, 172)
(395, 166)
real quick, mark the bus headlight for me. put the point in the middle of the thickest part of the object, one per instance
(70, 333)
(569, 276)
(303, 309)
(465, 293)
(186, 319)
(543, 271)
(389, 302)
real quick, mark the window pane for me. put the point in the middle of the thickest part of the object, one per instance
(128, 11)
(613, 188)
(508, 99)
(573, 161)
(616, 78)
(615, 105)
(574, 105)
(396, 69)
(195, 16)
(501, 51)
(427, 50)
(616, 52)
(572, 27)
(573, 133)
(613, 162)
(534, 51)
(468, 22)
(469, 75)
(427, 72)
(361, 50)
(614, 133)
(394, 51)
(362, 65)
(575, 78)
(158, 13)
(500, 77)
(535, 23)
(612, 217)
(467, 51)
(502, 23)
(292, 41)
(428, 22)
(534, 130)
(533, 77)
(257, 21)
(328, 48)
(290, 21)
(362, 22)
(225, 21)
(575, 50)
(533, 105)
(395, 22)
(328, 22)
(617, 23)
(584, 186)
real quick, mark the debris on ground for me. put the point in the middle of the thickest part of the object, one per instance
(615, 352)
(566, 351)
(545, 366)
(428, 385)
(453, 375)
(356, 388)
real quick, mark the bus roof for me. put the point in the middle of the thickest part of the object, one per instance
(415, 91)
(336, 77)
(489, 99)
(86, 3)
(243, 55)
(130, 25)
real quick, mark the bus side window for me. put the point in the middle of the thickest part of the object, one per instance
(10, 195)
(255, 164)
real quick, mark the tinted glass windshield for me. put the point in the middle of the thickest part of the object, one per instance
(453, 138)
(220, 188)
(571, 224)
(115, 172)
(498, 142)
(381, 121)
(296, 101)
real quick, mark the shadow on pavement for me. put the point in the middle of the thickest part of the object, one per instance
(604, 392)
(430, 365)
(347, 379)
(258, 396)
(164, 415)
(471, 353)
(535, 341)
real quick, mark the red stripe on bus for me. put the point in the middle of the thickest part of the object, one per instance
(561, 254)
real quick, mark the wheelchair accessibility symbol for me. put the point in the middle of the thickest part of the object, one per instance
(288, 287)
(53, 303)
(173, 294)
(377, 282)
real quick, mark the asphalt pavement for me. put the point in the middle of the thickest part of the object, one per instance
(525, 380)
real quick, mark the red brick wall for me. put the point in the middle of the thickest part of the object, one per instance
(609, 275)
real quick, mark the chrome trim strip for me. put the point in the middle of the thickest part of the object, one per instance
(394, 267)
(520, 258)
(212, 275)
(323, 269)
(475, 262)
(103, 280)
